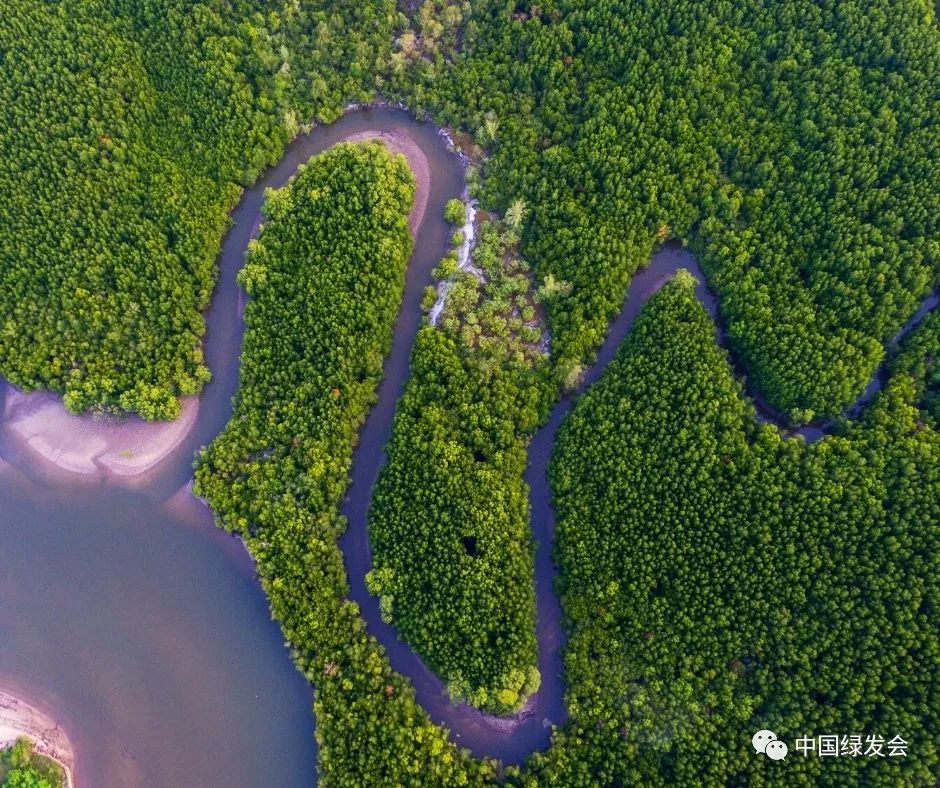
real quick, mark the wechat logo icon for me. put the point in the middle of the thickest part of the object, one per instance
(766, 742)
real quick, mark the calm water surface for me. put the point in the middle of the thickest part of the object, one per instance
(149, 640)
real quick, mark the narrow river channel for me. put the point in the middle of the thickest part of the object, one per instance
(139, 626)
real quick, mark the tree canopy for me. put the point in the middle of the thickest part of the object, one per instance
(22, 767)
(128, 129)
(325, 278)
(920, 359)
(721, 580)
(449, 524)
(791, 144)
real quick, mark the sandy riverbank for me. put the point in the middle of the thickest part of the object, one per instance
(18, 718)
(87, 444)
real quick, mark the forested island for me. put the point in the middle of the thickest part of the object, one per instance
(718, 573)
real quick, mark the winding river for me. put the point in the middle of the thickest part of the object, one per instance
(140, 626)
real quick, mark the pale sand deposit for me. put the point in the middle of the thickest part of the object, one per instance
(88, 444)
(18, 718)
(184, 506)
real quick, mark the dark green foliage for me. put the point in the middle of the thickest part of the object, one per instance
(920, 358)
(720, 579)
(331, 280)
(22, 767)
(792, 143)
(334, 53)
(449, 525)
(326, 277)
(112, 205)
(717, 578)
(127, 128)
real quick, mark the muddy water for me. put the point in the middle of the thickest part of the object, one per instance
(149, 641)
(140, 627)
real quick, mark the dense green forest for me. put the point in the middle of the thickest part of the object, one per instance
(449, 525)
(127, 129)
(720, 579)
(793, 144)
(713, 573)
(22, 767)
(325, 277)
(920, 359)
(716, 578)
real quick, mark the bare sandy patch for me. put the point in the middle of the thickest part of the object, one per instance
(18, 718)
(184, 506)
(399, 142)
(91, 445)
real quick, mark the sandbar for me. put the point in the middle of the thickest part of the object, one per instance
(88, 444)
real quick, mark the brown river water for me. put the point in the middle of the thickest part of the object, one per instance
(140, 627)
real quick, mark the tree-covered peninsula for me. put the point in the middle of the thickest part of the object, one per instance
(449, 525)
(720, 580)
(128, 129)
